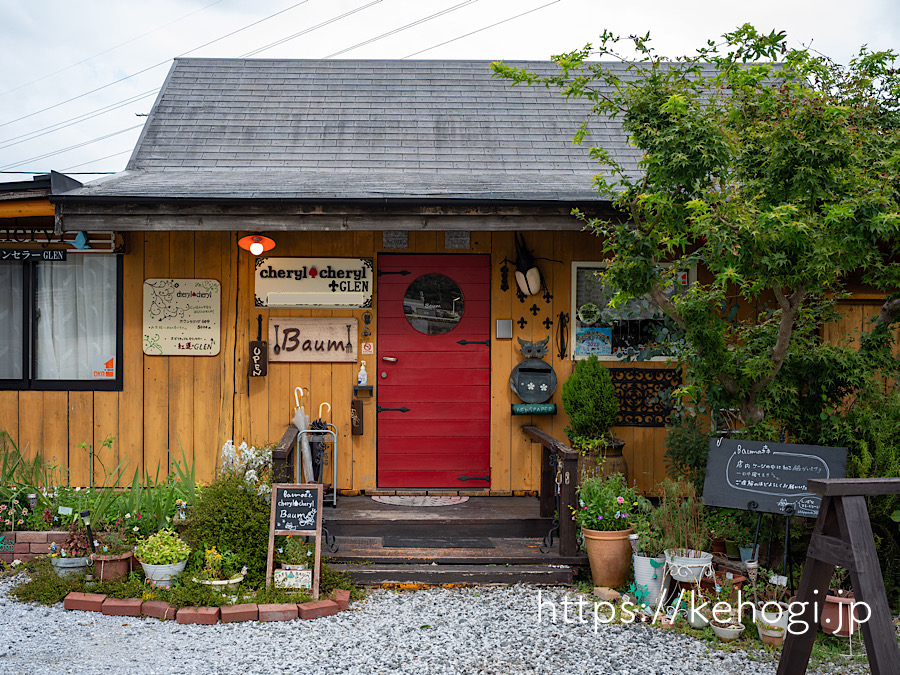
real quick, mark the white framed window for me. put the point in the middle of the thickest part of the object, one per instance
(61, 323)
(597, 328)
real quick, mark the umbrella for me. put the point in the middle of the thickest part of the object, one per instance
(301, 421)
(317, 442)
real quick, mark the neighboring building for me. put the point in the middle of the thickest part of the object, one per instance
(417, 167)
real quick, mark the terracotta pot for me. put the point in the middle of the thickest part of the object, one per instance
(717, 545)
(771, 636)
(113, 567)
(604, 463)
(835, 618)
(609, 554)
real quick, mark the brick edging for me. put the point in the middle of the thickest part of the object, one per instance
(96, 602)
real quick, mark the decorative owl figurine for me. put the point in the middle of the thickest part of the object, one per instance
(534, 350)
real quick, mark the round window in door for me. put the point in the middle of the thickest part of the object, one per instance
(433, 304)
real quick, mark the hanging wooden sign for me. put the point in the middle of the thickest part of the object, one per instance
(356, 417)
(313, 339)
(296, 510)
(259, 357)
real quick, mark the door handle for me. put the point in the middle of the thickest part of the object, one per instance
(389, 359)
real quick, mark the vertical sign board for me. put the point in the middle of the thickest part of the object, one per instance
(182, 317)
(769, 477)
(296, 510)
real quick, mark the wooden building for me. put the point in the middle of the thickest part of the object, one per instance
(393, 191)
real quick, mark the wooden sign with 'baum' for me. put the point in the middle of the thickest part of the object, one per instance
(312, 339)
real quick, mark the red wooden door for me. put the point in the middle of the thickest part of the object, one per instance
(434, 393)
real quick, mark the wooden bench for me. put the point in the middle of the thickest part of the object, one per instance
(843, 536)
(283, 456)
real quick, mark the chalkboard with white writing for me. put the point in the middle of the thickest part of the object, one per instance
(769, 477)
(296, 510)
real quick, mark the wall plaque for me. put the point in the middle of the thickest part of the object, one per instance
(314, 282)
(317, 339)
(182, 317)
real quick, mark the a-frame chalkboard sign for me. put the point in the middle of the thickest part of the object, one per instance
(296, 510)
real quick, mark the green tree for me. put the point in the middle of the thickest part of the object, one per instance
(773, 170)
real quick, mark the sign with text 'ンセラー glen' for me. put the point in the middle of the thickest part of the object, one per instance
(314, 282)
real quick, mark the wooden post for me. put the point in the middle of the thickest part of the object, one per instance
(843, 536)
(548, 484)
(568, 544)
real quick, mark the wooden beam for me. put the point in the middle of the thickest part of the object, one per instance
(836, 487)
(26, 208)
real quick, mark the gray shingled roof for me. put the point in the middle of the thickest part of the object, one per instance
(331, 130)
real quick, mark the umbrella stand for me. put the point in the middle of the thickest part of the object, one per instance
(319, 434)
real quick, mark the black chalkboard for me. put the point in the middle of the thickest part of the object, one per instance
(769, 477)
(296, 510)
(295, 507)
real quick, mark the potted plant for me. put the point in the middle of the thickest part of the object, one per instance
(725, 619)
(605, 510)
(220, 570)
(589, 399)
(839, 615)
(162, 555)
(114, 554)
(73, 554)
(295, 558)
(649, 560)
(679, 517)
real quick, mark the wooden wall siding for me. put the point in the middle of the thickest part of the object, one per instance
(196, 403)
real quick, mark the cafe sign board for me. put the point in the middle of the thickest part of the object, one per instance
(314, 282)
(182, 317)
(312, 339)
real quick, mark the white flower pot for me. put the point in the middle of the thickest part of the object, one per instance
(67, 566)
(771, 615)
(689, 568)
(161, 575)
(222, 584)
(696, 619)
(729, 634)
(650, 576)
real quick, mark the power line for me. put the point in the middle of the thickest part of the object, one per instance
(402, 28)
(308, 30)
(446, 42)
(37, 133)
(99, 159)
(107, 51)
(71, 147)
(161, 63)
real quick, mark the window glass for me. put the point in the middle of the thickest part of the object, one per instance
(75, 319)
(433, 304)
(604, 331)
(11, 311)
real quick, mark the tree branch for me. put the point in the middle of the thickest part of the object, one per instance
(890, 312)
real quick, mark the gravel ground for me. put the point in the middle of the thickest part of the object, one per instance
(462, 630)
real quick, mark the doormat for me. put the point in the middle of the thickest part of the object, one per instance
(436, 542)
(419, 500)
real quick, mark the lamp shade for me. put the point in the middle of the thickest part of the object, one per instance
(256, 243)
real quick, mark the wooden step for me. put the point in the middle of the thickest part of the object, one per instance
(381, 574)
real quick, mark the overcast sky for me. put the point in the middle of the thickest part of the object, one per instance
(64, 60)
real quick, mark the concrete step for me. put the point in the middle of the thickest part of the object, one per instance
(381, 574)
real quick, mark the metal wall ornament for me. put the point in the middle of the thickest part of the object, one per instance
(534, 380)
(638, 392)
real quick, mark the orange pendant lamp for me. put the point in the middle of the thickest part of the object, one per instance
(257, 244)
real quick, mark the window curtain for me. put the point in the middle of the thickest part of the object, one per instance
(11, 308)
(76, 318)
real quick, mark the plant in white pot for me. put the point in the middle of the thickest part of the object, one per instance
(649, 560)
(162, 555)
(72, 555)
(725, 615)
(220, 570)
(680, 518)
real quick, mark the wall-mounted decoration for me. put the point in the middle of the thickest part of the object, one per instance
(504, 329)
(562, 335)
(593, 341)
(457, 239)
(635, 387)
(533, 380)
(522, 322)
(534, 309)
(547, 323)
(259, 352)
(314, 282)
(548, 296)
(312, 339)
(182, 317)
(395, 239)
(528, 276)
(504, 277)
(73, 242)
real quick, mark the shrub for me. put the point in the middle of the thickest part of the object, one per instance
(231, 517)
(687, 448)
(589, 400)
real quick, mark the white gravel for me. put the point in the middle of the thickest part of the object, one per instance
(463, 630)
